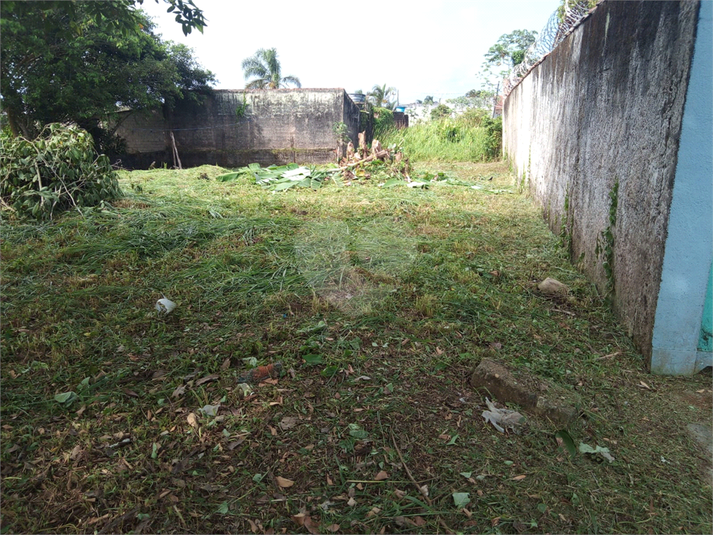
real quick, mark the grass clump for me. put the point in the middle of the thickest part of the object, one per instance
(471, 137)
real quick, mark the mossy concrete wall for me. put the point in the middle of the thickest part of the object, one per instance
(233, 128)
(593, 132)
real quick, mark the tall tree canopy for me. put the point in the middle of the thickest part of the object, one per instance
(383, 97)
(510, 49)
(78, 61)
(267, 71)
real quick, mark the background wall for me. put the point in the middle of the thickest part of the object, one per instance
(593, 132)
(233, 128)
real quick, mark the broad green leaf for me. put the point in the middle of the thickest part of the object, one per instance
(330, 371)
(223, 508)
(65, 397)
(228, 176)
(452, 441)
(461, 499)
(313, 360)
(567, 441)
(466, 474)
(357, 432)
(604, 452)
(394, 182)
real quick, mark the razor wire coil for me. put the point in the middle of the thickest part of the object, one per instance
(557, 28)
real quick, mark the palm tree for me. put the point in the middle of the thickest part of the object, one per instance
(383, 97)
(266, 67)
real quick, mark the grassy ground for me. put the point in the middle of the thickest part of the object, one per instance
(379, 303)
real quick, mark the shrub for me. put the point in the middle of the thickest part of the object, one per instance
(494, 137)
(383, 121)
(440, 112)
(471, 137)
(58, 170)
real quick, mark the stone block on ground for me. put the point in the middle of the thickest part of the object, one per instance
(533, 394)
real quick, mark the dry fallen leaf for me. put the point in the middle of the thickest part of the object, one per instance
(329, 480)
(207, 379)
(253, 526)
(419, 521)
(288, 422)
(518, 478)
(333, 528)
(180, 390)
(381, 476)
(352, 502)
(226, 364)
(305, 520)
(644, 385)
(284, 482)
(192, 420)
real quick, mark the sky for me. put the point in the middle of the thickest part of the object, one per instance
(421, 48)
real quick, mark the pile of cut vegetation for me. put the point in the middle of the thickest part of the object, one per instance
(56, 171)
(376, 165)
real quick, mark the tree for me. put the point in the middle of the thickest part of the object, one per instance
(265, 66)
(510, 49)
(440, 112)
(78, 61)
(428, 101)
(508, 52)
(381, 96)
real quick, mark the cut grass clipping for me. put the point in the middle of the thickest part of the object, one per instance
(378, 302)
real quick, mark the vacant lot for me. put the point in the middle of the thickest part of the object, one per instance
(378, 302)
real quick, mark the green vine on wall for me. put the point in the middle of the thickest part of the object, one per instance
(605, 243)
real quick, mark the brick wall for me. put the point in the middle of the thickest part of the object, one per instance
(274, 127)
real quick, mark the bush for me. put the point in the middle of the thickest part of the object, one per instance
(494, 137)
(440, 112)
(383, 122)
(58, 170)
(471, 137)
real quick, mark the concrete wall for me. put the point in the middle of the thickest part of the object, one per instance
(683, 312)
(593, 132)
(274, 127)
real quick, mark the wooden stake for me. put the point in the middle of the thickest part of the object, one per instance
(176, 158)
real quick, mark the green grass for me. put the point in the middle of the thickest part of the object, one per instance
(463, 139)
(397, 292)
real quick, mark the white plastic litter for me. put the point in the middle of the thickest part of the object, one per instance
(210, 410)
(502, 418)
(164, 305)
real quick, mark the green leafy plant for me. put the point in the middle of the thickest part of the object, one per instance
(342, 132)
(56, 171)
(241, 109)
(383, 121)
(440, 111)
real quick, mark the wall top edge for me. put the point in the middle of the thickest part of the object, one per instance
(282, 90)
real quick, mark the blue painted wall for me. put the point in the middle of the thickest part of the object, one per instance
(685, 285)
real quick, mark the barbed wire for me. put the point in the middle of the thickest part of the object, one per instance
(548, 39)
